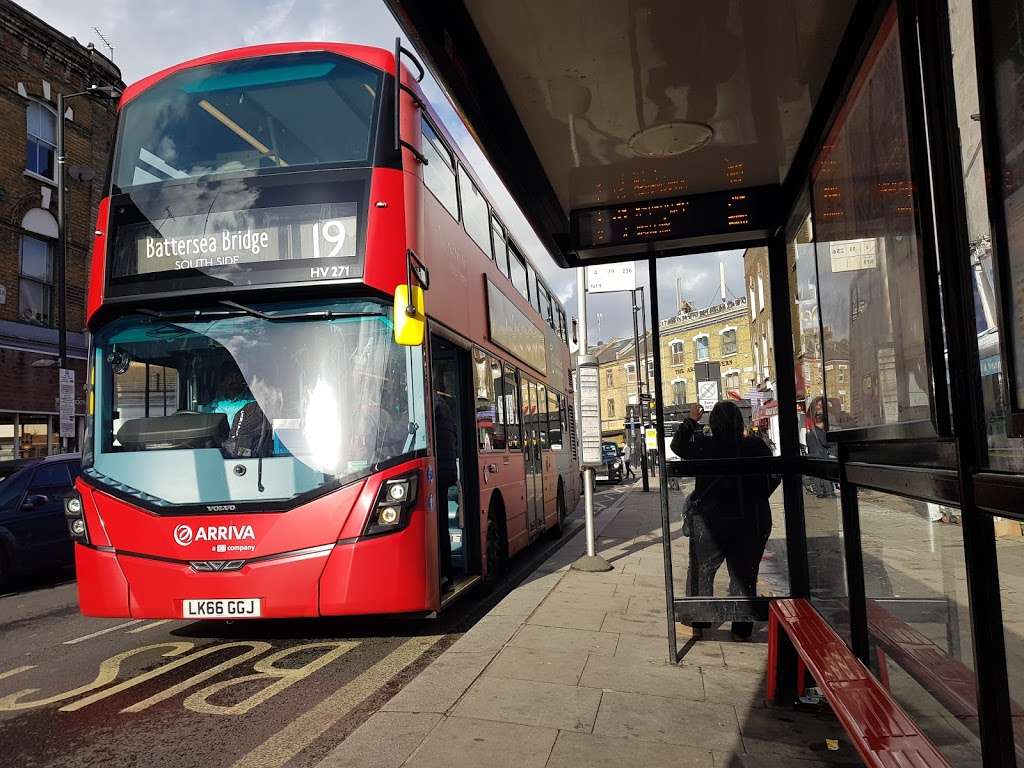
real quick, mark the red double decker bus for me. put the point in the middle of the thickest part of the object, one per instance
(272, 431)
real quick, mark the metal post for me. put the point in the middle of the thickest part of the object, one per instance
(657, 372)
(61, 256)
(640, 392)
(591, 561)
(588, 505)
(789, 434)
(666, 531)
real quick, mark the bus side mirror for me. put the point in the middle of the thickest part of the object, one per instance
(409, 325)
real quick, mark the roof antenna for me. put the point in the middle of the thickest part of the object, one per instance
(105, 42)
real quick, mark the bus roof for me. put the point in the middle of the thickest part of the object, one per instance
(374, 57)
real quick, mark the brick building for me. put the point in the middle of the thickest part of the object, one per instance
(695, 344)
(36, 63)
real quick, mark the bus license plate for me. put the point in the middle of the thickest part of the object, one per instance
(232, 608)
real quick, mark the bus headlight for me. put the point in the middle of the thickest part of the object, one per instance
(76, 522)
(394, 505)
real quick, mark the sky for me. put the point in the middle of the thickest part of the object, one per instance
(149, 35)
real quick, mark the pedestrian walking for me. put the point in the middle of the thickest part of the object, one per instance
(627, 458)
(818, 447)
(729, 517)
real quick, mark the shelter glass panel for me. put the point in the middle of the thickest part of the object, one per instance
(867, 249)
(826, 555)
(1006, 34)
(918, 607)
(737, 540)
(1010, 555)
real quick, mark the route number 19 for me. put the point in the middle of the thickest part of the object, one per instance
(333, 232)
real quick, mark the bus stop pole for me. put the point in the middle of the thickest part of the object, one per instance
(588, 383)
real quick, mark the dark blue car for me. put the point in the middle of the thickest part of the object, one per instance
(33, 531)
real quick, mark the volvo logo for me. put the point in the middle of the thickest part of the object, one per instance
(183, 535)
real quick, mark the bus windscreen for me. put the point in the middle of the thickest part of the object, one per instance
(275, 112)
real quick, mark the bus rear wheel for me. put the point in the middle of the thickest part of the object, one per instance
(497, 543)
(559, 528)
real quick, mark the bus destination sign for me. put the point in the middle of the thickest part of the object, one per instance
(214, 243)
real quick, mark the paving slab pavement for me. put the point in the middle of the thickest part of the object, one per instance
(571, 669)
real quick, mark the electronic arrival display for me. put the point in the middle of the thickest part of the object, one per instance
(713, 214)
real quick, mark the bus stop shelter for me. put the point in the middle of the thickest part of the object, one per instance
(874, 150)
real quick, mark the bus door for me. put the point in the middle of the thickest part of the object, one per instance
(533, 458)
(455, 464)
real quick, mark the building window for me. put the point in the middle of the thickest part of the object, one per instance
(630, 373)
(35, 290)
(676, 348)
(42, 140)
(650, 367)
(732, 380)
(703, 344)
(439, 172)
(765, 360)
(760, 293)
(753, 304)
(609, 378)
(610, 408)
(678, 393)
(729, 342)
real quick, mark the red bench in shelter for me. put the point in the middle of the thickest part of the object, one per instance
(882, 733)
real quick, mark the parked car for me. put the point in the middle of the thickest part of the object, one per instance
(33, 530)
(611, 468)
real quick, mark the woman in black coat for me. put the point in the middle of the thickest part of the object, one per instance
(730, 519)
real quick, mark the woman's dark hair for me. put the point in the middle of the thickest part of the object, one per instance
(726, 420)
(816, 411)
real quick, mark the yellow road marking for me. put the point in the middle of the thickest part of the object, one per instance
(256, 647)
(309, 726)
(267, 670)
(108, 672)
(151, 625)
(15, 671)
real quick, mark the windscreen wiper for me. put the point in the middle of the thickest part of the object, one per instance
(198, 314)
(320, 314)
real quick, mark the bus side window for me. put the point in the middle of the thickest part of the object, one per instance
(511, 395)
(542, 416)
(556, 411)
(474, 212)
(519, 275)
(489, 430)
(439, 172)
(499, 246)
(562, 330)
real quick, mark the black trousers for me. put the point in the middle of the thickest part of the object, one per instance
(740, 546)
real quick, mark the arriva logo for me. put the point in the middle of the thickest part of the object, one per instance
(184, 535)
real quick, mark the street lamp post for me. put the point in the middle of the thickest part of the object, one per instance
(94, 91)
